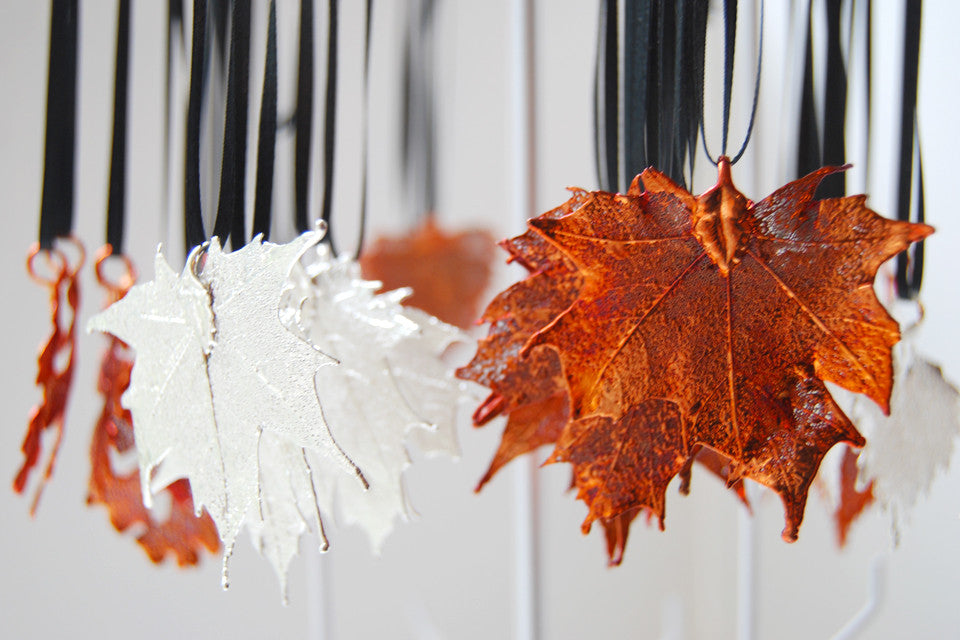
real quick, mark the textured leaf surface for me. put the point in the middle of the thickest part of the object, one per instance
(448, 272)
(215, 370)
(530, 390)
(713, 321)
(181, 533)
(389, 389)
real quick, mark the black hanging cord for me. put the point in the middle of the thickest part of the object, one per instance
(654, 117)
(219, 15)
(304, 117)
(678, 107)
(664, 115)
(834, 105)
(231, 203)
(193, 220)
(910, 263)
(606, 98)
(116, 199)
(267, 138)
(329, 122)
(729, 48)
(637, 52)
(174, 24)
(808, 134)
(56, 208)
(730, 36)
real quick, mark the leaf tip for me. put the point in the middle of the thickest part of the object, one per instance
(790, 533)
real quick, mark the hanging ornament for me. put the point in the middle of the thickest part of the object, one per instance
(660, 378)
(215, 367)
(658, 56)
(59, 274)
(382, 349)
(215, 370)
(447, 270)
(55, 364)
(181, 532)
(669, 345)
(387, 351)
(247, 360)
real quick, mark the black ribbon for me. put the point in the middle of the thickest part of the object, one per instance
(640, 76)
(834, 107)
(231, 203)
(56, 208)
(174, 25)
(910, 262)
(193, 219)
(662, 91)
(330, 123)
(606, 95)
(729, 47)
(808, 134)
(229, 220)
(266, 141)
(116, 200)
(304, 117)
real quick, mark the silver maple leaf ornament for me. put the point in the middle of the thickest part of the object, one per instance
(216, 375)
(390, 389)
(256, 377)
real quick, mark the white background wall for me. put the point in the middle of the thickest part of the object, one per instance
(450, 574)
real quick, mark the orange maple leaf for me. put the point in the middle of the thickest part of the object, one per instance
(448, 272)
(531, 390)
(617, 529)
(713, 322)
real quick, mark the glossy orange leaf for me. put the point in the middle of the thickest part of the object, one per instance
(615, 533)
(713, 322)
(531, 390)
(448, 272)
(616, 530)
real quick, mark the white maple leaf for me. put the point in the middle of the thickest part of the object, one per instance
(222, 391)
(391, 387)
(288, 506)
(907, 449)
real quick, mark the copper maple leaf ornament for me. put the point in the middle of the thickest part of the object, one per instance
(448, 272)
(531, 391)
(713, 322)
